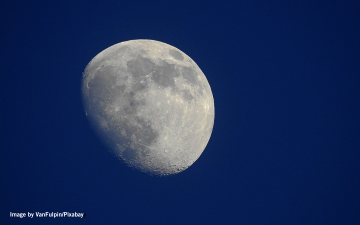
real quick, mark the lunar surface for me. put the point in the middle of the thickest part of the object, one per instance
(150, 103)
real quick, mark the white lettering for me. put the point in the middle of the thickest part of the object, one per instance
(21, 215)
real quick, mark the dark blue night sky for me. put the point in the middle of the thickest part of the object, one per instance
(285, 147)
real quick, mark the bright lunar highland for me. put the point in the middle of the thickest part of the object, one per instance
(150, 103)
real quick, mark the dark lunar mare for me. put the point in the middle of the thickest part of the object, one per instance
(176, 54)
(163, 75)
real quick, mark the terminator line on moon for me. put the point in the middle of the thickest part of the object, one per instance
(150, 103)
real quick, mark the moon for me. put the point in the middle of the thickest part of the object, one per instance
(150, 103)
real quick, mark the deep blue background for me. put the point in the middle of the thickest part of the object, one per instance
(285, 148)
